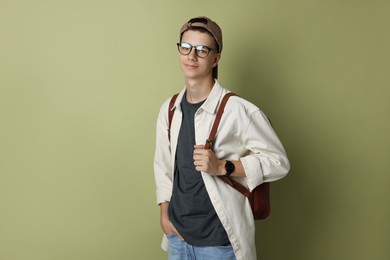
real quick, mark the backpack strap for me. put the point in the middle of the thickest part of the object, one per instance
(171, 111)
(210, 141)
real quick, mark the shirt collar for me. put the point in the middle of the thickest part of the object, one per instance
(212, 101)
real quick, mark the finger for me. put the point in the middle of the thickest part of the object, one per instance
(199, 157)
(199, 146)
(200, 152)
(199, 168)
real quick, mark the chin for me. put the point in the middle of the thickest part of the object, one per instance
(191, 75)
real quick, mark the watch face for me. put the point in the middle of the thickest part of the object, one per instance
(229, 166)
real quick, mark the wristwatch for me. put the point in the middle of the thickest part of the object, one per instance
(229, 167)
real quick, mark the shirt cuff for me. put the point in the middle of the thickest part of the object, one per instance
(254, 174)
(163, 195)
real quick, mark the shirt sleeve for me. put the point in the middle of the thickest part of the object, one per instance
(162, 158)
(267, 160)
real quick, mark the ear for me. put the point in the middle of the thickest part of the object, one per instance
(216, 59)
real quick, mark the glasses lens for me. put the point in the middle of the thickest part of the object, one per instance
(202, 51)
(184, 48)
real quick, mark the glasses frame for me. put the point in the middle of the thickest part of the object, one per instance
(197, 49)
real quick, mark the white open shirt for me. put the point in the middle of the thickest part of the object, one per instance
(245, 134)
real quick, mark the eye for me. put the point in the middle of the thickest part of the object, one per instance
(185, 46)
(202, 49)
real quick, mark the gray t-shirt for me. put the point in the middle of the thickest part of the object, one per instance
(190, 208)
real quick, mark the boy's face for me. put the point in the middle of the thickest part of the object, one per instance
(194, 67)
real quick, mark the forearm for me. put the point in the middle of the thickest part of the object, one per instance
(164, 209)
(239, 170)
(164, 218)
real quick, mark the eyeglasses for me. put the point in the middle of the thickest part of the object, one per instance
(200, 50)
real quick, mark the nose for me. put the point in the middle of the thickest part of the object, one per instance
(192, 54)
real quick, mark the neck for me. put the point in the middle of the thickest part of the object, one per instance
(198, 90)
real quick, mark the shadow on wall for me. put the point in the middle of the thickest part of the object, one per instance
(298, 205)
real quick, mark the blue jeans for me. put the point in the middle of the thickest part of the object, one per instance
(180, 250)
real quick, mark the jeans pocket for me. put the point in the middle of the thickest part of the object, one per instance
(170, 236)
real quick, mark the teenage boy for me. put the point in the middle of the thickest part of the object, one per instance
(201, 216)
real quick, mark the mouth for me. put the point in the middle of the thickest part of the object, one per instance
(190, 66)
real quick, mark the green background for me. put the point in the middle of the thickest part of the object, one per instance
(81, 83)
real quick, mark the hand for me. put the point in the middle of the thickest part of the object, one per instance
(165, 223)
(169, 229)
(205, 160)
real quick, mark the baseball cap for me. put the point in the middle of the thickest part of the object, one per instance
(206, 23)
